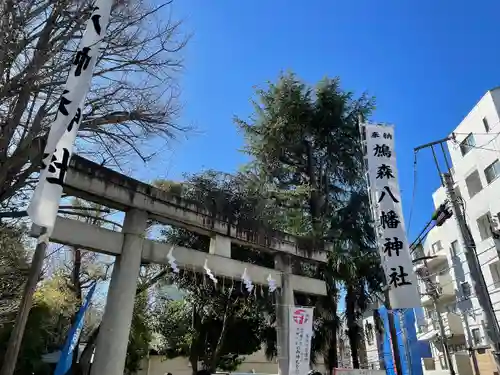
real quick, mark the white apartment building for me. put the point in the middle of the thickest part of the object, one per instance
(475, 154)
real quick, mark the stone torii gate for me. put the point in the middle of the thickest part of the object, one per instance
(140, 202)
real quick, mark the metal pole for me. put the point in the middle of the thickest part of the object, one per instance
(477, 277)
(432, 290)
(470, 342)
(10, 359)
(404, 332)
(393, 332)
(443, 335)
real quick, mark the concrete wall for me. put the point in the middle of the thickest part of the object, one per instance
(158, 365)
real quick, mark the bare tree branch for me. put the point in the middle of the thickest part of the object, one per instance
(134, 93)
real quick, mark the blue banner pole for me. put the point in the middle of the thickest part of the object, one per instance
(66, 358)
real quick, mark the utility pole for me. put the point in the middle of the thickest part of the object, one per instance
(442, 333)
(433, 292)
(477, 276)
(466, 239)
(393, 332)
(404, 332)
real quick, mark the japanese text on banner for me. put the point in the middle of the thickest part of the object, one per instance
(300, 335)
(391, 233)
(63, 130)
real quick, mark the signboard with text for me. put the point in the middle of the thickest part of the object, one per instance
(391, 233)
(301, 330)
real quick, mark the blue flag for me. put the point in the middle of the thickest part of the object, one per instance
(66, 357)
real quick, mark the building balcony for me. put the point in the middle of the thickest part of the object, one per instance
(453, 324)
(427, 333)
(452, 327)
(446, 289)
(438, 259)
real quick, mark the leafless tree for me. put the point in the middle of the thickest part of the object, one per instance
(134, 94)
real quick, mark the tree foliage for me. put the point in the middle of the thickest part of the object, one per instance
(14, 266)
(305, 147)
(47, 326)
(140, 334)
(215, 328)
(224, 322)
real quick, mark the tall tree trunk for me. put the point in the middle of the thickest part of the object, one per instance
(352, 326)
(220, 342)
(314, 195)
(329, 309)
(194, 350)
(75, 273)
(379, 329)
(333, 360)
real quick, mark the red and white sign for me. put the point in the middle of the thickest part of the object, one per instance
(300, 336)
(300, 316)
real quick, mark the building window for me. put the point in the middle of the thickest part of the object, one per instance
(466, 291)
(467, 144)
(436, 246)
(455, 248)
(492, 171)
(495, 273)
(484, 226)
(473, 183)
(486, 125)
(476, 336)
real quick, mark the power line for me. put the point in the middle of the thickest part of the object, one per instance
(414, 189)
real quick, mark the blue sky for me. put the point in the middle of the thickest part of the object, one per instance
(427, 62)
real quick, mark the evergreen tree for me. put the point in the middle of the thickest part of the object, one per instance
(306, 151)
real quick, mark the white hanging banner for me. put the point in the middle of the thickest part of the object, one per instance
(391, 233)
(45, 202)
(300, 336)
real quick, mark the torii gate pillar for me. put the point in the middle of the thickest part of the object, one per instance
(284, 302)
(112, 341)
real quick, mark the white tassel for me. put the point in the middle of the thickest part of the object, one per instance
(209, 273)
(172, 261)
(271, 283)
(246, 280)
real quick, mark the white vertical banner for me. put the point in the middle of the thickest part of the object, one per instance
(45, 202)
(386, 199)
(300, 336)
